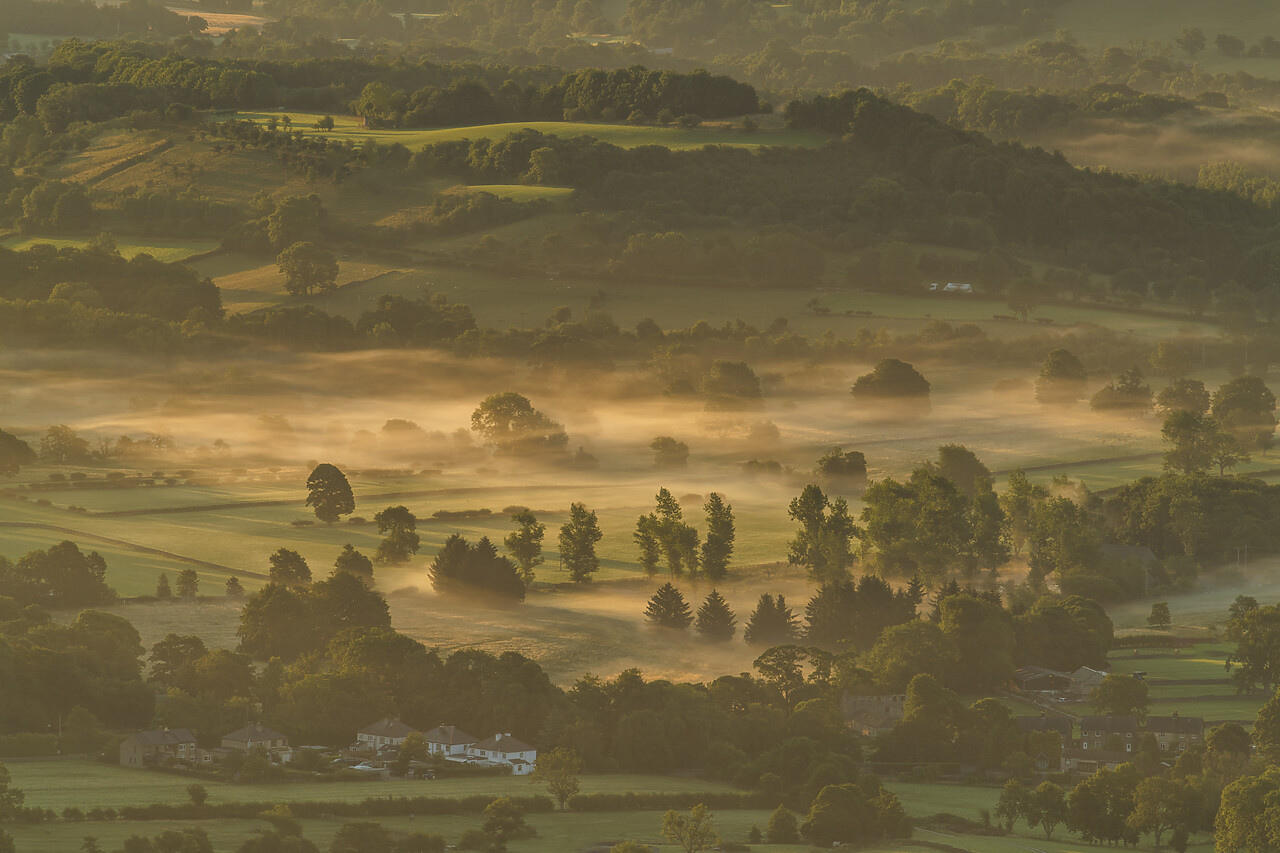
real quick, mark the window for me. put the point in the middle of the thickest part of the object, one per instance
(1128, 747)
(1164, 747)
(1084, 744)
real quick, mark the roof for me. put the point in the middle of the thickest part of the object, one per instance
(1085, 673)
(388, 727)
(1061, 725)
(164, 737)
(255, 732)
(1176, 725)
(503, 743)
(1092, 723)
(1109, 756)
(449, 735)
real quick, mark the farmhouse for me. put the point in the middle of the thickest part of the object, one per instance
(162, 746)
(448, 741)
(504, 749)
(255, 736)
(1045, 723)
(384, 734)
(1175, 733)
(1113, 734)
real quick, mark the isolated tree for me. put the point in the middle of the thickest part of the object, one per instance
(668, 609)
(188, 583)
(14, 454)
(692, 832)
(353, 562)
(1121, 696)
(525, 543)
(669, 453)
(1127, 395)
(783, 827)
(892, 380)
(771, 623)
(1192, 40)
(401, 540)
(715, 621)
(1062, 379)
(163, 590)
(198, 795)
(558, 769)
(307, 269)
(329, 493)
(578, 538)
(234, 588)
(1160, 619)
(288, 568)
(1183, 394)
(842, 470)
(508, 422)
(717, 548)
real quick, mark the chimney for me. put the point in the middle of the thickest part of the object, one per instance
(498, 736)
(1043, 715)
(1175, 715)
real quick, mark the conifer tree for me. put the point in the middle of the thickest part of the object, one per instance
(771, 623)
(718, 546)
(716, 622)
(162, 587)
(234, 588)
(668, 609)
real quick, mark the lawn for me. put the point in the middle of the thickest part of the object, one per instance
(168, 251)
(626, 136)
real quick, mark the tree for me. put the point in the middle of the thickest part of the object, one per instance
(509, 423)
(288, 568)
(823, 543)
(693, 832)
(1190, 440)
(307, 269)
(717, 548)
(715, 621)
(504, 821)
(578, 538)
(525, 543)
(1226, 453)
(401, 541)
(1158, 804)
(783, 828)
(1128, 395)
(1183, 394)
(1048, 804)
(1121, 696)
(163, 590)
(188, 583)
(1256, 659)
(329, 493)
(1170, 360)
(1062, 379)
(198, 795)
(772, 622)
(1192, 40)
(676, 540)
(1229, 45)
(841, 470)
(460, 567)
(1245, 408)
(893, 380)
(905, 650)
(11, 798)
(1160, 619)
(668, 609)
(730, 380)
(1012, 804)
(353, 562)
(558, 769)
(1243, 821)
(14, 454)
(646, 539)
(364, 836)
(234, 588)
(61, 446)
(962, 466)
(669, 453)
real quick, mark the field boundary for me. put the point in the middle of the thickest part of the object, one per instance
(133, 546)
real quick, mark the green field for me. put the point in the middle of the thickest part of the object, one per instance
(626, 136)
(168, 251)
(517, 192)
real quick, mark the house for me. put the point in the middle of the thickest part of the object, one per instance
(504, 749)
(1175, 733)
(1038, 679)
(1045, 723)
(254, 736)
(384, 734)
(162, 746)
(1113, 734)
(1079, 760)
(448, 741)
(872, 716)
(958, 287)
(1084, 680)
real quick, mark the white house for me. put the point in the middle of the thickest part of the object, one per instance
(383, 734)
(449, 741)
(504, 749)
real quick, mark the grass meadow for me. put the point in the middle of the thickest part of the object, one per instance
(167, 251)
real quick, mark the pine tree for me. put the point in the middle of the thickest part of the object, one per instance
(234, 588)
(668, 609)
(915, 591)
(771, 623)
(188, 583)
(716, 622)
(718, 546)
(782, 828)
(830, 614)
(525, 544)
(162, 587)
(353, 562)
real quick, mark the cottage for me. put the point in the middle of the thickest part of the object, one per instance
(384, 734)
(872, 716)
(1175, 733)
(448, 741)
(251, 737)
(504, 749)
(1045, 723)
(1113, 734)
(162, 746)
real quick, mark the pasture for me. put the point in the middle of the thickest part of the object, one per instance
(623, 135)
(168, 251)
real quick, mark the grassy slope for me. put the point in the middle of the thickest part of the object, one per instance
(162, 250)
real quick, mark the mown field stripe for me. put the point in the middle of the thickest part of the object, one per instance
(133, 546)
